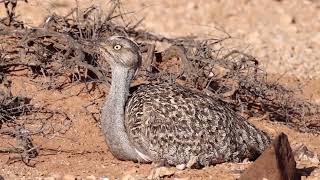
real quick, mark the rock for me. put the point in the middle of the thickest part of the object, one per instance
(246, 160)
(193, 160)
(68, 177)
(276, 162)
(302, 153)
(181, 166)
(191, 163)
(91, 177)
(286, 19)
(161, 172)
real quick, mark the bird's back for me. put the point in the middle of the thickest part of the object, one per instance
(175, 124)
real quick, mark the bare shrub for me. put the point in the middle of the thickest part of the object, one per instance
(62, 52)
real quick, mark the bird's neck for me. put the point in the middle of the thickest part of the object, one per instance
(113, 115)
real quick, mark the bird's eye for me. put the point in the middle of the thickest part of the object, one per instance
(117, 47)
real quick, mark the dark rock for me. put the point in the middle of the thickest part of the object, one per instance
(276, 162)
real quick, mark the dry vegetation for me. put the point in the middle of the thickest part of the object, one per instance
(61, 53)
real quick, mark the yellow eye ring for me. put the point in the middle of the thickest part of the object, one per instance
(117, 47)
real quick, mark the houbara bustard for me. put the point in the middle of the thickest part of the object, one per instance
(169, 123)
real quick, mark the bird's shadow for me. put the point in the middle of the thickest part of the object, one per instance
(304, 172)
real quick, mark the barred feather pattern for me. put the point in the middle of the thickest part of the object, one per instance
(173, 124)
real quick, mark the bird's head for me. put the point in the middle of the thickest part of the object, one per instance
(121, 51)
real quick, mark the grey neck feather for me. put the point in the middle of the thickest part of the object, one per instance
(113, 115)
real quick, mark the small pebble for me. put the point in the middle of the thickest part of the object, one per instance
(181, 166)
(161, 172)
(193, 160)
(68, 177)
(246, 160)
(91, 177)
(302, 153)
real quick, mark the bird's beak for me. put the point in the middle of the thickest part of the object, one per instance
(103, 48)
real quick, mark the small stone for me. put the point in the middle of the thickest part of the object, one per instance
(246, 160)
(286, 19)
(315, 159)
(68, 177)
(91, 177)
(161, 172)
(181, 166)
(193, 160)
(302, 153)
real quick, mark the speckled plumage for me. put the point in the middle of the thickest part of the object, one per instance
(170, 123)
(173, 123)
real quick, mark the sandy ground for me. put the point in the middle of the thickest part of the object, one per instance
(283, 35)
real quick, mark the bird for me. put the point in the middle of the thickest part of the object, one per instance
(169, 123)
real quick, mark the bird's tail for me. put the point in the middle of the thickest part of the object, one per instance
(255, 140)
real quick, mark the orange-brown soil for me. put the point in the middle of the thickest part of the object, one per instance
(284, 35)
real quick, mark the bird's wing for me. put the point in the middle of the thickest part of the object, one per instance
(174, 123)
